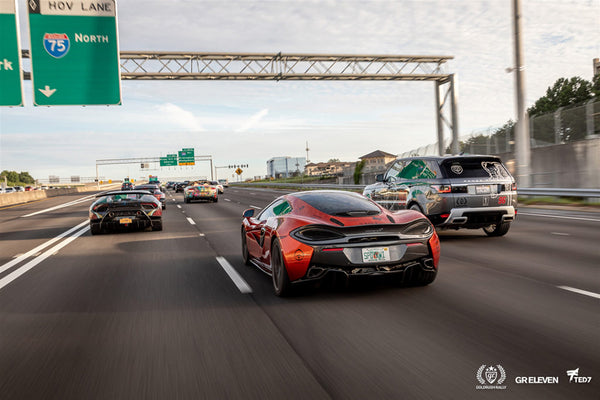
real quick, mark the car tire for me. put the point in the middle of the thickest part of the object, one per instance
(164, 206)
(419, 277)
(186, 200)
(245, 253)
(281, 281)
(95, 229)
(157, 225)
(416, 207)
(216, 199)
(497, 229)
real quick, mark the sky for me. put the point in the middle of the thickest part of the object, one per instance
(250, 122)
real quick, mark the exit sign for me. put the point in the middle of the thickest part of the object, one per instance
(74, 52)
(11, 80)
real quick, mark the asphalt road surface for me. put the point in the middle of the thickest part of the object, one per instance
(177, 315)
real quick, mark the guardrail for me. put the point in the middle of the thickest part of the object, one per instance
(550, 192)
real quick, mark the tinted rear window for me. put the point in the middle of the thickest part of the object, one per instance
(342, 204)
(474, 168)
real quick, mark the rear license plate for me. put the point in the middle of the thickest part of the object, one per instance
(376, 254)
(483, 189)
(125, 221)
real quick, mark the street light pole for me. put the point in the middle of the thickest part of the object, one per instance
(522, 145)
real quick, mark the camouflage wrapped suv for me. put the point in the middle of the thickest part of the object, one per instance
(452, 191)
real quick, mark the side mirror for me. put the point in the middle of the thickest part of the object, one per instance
(249, 213)
(379, 178)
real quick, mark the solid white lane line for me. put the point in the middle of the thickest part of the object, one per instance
(560, 234)
(71, 203)
(235, 277)
(584, 292)
(191, 221)
(20, 271)
(557, 216)
(258, 208)
(178, 206)
(40, 247)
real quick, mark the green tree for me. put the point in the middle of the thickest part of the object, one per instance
(565, 92)
(358, 171)
(24, 177)
(333, 160)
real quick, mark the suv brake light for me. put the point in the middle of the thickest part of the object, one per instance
(442, 188)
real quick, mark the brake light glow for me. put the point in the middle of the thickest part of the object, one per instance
(334, 249)
(444, 216)
(442, 188)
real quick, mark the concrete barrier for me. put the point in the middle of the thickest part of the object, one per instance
(9, 199)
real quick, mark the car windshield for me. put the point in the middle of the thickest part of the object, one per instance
(339, 203)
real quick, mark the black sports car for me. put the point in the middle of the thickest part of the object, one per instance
(127, 209)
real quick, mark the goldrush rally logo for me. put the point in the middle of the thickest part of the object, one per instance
(491, 377)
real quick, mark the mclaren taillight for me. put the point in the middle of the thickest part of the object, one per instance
(444, 216)
(316, 234)
(334, 249)
(419, 228)
(442, 188)
(514, 186)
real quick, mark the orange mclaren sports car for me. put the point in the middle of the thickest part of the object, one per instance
(305, 236)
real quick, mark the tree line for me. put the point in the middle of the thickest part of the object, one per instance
(15, 178)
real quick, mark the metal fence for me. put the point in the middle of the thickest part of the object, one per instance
(566, 125)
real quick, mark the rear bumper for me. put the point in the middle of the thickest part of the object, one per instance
(318, 272)
(478, 217)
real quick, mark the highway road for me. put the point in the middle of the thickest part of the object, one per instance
(177, 315)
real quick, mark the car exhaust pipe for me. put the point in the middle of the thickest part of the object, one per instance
(459, 220)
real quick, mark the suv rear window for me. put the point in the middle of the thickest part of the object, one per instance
(474, 168)
(342, 204)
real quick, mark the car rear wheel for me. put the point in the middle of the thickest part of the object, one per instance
(416, 207)
(95, 229)
(245, 253)
(419, 277)
(157, 225)
(281, 281)
(216, 199)
(497, 229)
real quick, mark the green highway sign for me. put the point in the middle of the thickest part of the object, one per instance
(186, 157)
(74, 52)
(11, 80)
(168, 162)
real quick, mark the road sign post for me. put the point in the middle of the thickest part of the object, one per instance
(11, 78)
(74, 52)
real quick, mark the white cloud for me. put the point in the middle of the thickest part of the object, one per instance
(180, 117)
(253, 120)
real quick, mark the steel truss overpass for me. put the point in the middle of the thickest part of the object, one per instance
(162, 65)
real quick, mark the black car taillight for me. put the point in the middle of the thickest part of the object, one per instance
(149, 206)
(100, 208)
(316, 234)
(459, 189)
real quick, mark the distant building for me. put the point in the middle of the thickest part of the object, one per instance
(377, 161)
(284, 167)
(328, 168)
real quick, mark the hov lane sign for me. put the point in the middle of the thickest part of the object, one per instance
(74, 52)
(11, 81)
